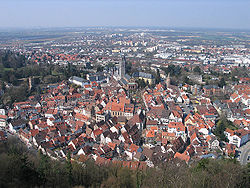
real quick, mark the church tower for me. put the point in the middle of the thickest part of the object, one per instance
(168, 80)
(122, 67)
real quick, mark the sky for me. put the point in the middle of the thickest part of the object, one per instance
(231, 14)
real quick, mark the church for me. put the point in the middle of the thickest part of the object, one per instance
(120, 73)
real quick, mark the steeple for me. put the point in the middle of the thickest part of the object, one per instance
(168, 80)
(122, 67)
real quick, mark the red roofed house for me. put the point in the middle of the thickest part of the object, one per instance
(3, 119)
(183, 156)
(230, 149)
(176, 127)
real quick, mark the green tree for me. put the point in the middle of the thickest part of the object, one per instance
(197, 69)
(93, 111)
(44, 166)
(219, 130)
(172, 69)
(128, 68)
(99, 68)
(141, 83)
(157, 77)
(69, 168)
(222, 82)
(221, 126)
(2, 86)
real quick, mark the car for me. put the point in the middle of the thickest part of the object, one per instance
(248, 157)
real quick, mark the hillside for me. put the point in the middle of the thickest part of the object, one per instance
(22, 168)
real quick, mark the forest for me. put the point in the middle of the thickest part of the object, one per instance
(15, 66)
(22, 167)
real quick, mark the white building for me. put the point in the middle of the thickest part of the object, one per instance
(78, 81)
(238, 137)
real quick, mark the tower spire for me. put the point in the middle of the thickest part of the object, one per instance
(168, 80)
(122, 67)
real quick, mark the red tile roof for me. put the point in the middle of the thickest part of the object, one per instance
(182, 156)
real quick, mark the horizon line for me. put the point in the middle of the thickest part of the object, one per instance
(123, 26)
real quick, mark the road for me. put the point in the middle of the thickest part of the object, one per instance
(245, 152)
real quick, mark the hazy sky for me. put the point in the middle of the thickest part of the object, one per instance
(169, 13)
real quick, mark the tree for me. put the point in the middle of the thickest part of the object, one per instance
(186, 69)
(93, 111)
(219, 130)
(172, 69)
(186, 80)
(99, 68)
(17, 170)
(141, 83)
(221, 126)
(139, 178)
(128, 67)
(157, 77)
(69, 169)
(197, 69)
(38, 90)
(222, 82)
(43, 167)
(125, 179)
(2, 86)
